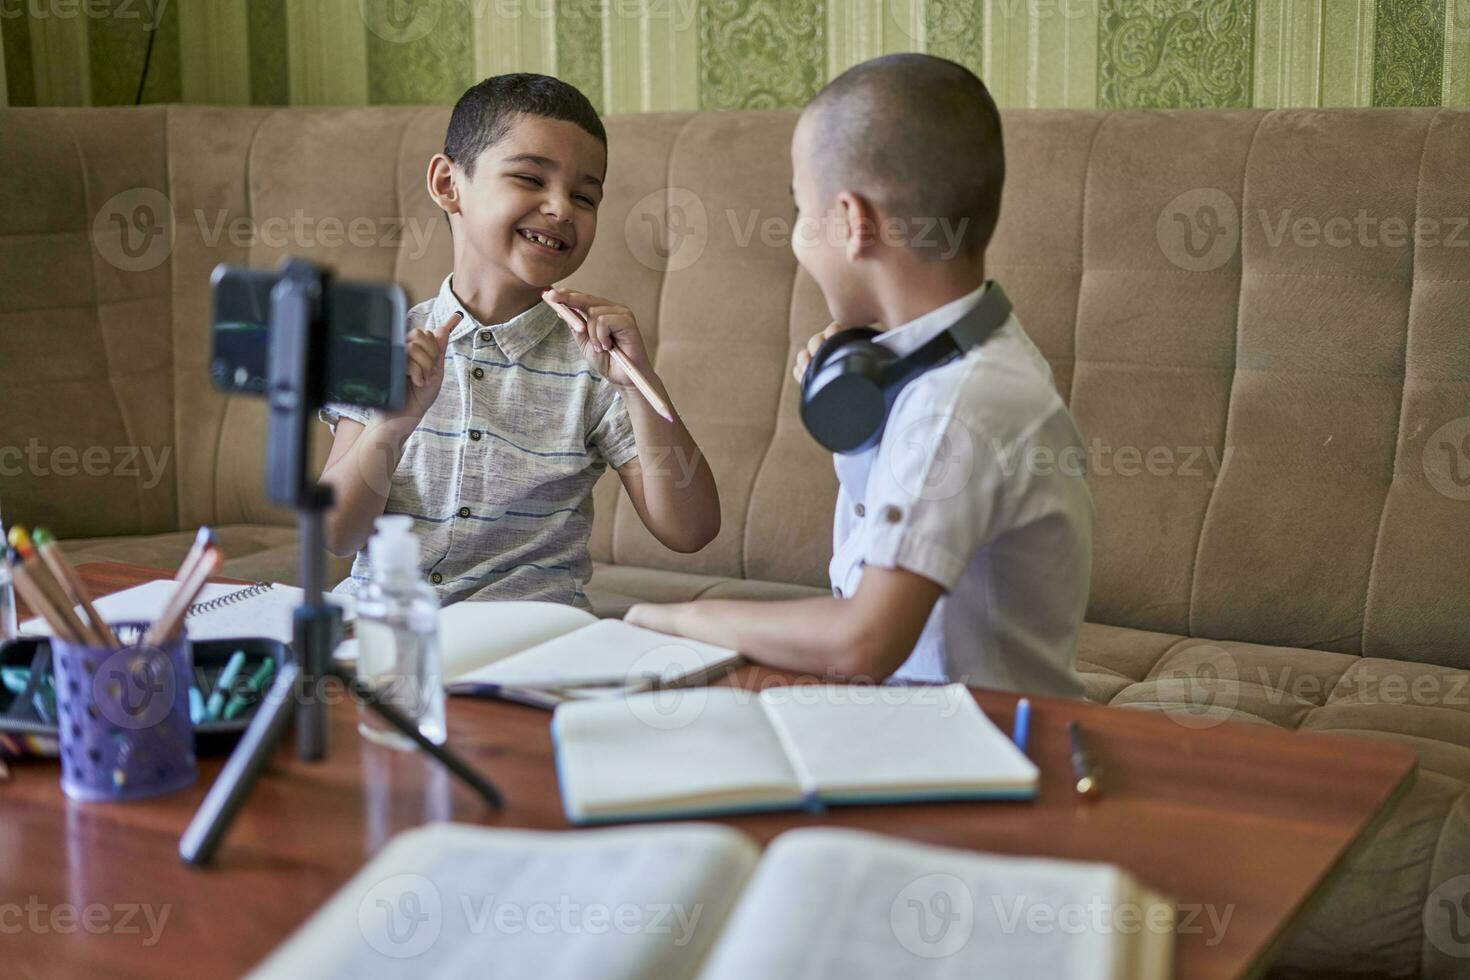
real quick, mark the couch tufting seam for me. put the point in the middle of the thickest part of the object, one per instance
(1199, 543)
(755, 478)
(173, 345)
(658, 312)
(398, 190)
(219, 432)
(1398, 425)
(1081, 269)
(88, 205)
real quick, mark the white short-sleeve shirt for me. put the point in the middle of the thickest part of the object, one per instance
(979, 485)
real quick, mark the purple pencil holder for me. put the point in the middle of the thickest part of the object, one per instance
(124, 717)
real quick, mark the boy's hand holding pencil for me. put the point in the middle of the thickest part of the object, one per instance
(607, 334)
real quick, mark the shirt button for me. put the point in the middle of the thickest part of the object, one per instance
(484, 336)
(464, 512)
(436, 578)
(474, 435)
(892, 514)
(478, 373)
(859, 510)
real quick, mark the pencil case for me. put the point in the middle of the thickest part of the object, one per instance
(27, 705)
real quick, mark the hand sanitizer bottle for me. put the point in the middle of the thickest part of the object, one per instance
(398, 637)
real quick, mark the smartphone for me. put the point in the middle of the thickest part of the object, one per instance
(365, 335)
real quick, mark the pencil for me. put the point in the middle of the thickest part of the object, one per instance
(20, 541)
(39, 602)
(202, 541)
(55, 558)
(167, 626)
(577, 320)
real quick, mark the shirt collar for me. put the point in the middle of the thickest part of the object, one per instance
(514, 337)
(906, 338)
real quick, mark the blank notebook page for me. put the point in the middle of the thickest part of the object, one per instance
(669, 750)
(609, 648)
(875, 741)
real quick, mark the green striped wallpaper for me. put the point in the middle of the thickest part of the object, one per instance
(641, 55)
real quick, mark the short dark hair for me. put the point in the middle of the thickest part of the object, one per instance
(484, 114)
(918, 135)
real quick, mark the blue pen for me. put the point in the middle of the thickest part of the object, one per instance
(1023, 723)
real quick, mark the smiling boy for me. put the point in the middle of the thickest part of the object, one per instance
(510, 416)
(951, 561)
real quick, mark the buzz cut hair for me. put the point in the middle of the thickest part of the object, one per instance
(918, 136)
(488, 109)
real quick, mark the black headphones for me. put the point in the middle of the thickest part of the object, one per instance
(852, 382)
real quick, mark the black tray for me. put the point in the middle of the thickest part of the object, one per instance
(23, 732)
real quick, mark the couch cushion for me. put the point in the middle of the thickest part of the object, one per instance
(86, 417)
(1371, 920)
(256, 552)
(614, 588)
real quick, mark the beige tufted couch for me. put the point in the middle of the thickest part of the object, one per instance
(1276, 417)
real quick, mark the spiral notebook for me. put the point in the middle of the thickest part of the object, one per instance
(221, 612)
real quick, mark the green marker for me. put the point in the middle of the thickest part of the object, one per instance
(15, 679)
(222, 687)
(253, 687)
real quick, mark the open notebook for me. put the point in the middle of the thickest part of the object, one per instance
(719, 750)
(543, 653)
(700, 902)
(221, 612)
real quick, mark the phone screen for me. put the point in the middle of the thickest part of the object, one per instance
(365, 331)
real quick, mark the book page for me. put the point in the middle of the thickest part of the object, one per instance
(853, 905)
(474, 634)
(450, 900)
(608, 652)
(854, 743)
(669, 753)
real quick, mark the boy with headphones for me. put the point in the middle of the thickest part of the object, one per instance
(962, 540)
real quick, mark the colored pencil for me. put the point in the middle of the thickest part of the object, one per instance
(39, 602)
(40, 575)
(55, 558)
(169, 622)
(577, 320)
(203, 541)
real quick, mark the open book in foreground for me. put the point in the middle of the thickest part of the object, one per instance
(700, 902)
(542, 653)
(719, 750)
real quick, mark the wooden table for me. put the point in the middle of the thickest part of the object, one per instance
(1244, 820)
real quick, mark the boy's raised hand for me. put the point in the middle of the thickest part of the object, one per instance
(804, 356)
(608, 325)
(424, 353)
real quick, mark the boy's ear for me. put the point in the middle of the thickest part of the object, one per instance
(860, 225)
(443, 183)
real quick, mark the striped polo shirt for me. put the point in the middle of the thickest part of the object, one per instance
(498, 476)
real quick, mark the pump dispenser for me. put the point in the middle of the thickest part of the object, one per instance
(398, 636)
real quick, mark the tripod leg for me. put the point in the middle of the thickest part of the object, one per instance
(365, 694)
(247, 762)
